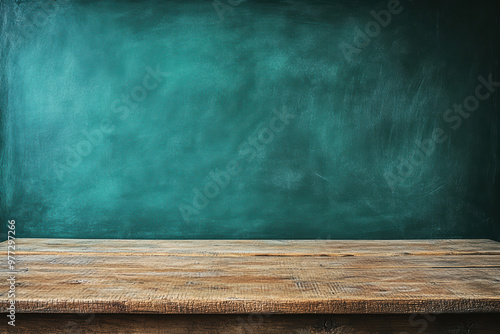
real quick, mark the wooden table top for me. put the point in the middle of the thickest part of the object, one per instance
(254, 276)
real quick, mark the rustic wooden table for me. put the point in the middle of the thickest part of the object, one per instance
(254, 286)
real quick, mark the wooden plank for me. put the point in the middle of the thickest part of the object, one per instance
(258, 247)
(256, 323)
(85, 276)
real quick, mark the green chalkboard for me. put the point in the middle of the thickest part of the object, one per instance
(250, 119)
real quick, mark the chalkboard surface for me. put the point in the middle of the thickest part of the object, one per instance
(250, 119)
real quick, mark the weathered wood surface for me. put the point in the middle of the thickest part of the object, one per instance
(241, 277)
(258, 247)
(253, 324)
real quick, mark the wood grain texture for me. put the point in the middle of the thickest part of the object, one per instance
(244, 276)
(259, 247)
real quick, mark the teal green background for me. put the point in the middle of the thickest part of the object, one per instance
(324, 175)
